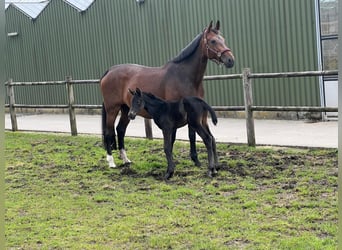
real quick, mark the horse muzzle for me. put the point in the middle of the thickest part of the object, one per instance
(132, 115)
(228, 60)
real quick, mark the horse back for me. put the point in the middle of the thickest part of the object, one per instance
(120, 78)
(163, 82)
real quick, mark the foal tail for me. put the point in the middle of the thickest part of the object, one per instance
(211, 111)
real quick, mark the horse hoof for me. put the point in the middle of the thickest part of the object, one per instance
(212, 173)
(124, 157)
(110, 160)
(111, 164)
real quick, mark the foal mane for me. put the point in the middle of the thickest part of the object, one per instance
(154, 98)
(189, 49)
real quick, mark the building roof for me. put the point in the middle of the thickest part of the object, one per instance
(32, 8)
(80, 5)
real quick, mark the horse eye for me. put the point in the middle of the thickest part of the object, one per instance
(213, 42)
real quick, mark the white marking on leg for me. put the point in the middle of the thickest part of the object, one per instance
(123, 156)
(110, 160)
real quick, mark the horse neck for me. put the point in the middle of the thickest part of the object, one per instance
(193, 68)
(197, 65)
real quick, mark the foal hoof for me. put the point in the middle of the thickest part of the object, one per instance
(195, 160)
(168, 176)
(197, 163)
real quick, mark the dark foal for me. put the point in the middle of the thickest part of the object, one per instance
(175, 114)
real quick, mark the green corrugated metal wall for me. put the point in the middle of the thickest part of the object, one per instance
(265, 35)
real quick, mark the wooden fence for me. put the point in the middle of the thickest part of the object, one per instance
(248, 107)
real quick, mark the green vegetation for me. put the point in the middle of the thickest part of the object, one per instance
(60, 194)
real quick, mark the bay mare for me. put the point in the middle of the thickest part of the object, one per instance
(179, 77)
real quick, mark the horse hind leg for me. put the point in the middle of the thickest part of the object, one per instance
(108, 119)
(121, 130)
(108, 142)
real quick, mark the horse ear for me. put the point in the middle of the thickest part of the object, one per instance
(131, 91)
(210, 26)
(138, 91)
(217, 27)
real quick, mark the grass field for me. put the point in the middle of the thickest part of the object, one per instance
(60, 194)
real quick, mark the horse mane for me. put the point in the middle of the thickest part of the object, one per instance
(189, 49)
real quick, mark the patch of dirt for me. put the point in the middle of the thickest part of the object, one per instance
(260, 164)
(127, 170)
(266, 164)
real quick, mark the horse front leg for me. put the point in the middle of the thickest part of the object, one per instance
(168, 145)
(193, 151)
(214, 155)
(208, 141)
(121, 130)
(213, 146)
(217, 167)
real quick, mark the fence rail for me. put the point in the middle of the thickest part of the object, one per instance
(248, 107)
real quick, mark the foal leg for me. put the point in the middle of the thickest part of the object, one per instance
(168, 145)
(173, 138)
(121, 130)
(193, 151)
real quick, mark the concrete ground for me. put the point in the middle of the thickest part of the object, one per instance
(267, 132)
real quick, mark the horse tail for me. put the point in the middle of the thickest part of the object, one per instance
(211, 111)
(104, 116)
(104, 122)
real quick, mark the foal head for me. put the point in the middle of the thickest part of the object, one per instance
(215, 47)
(137, 103)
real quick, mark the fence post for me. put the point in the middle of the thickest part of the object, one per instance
(71, 102)
(11, 105)
(148, 129)
(248, 97)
